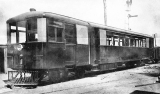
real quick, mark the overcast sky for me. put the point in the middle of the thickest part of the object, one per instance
(147, 22)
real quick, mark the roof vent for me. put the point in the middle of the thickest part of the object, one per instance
(32, 9)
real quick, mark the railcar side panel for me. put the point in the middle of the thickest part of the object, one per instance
(157, 54)
(82, 55)
(55, 55)
(113, 54)
(70, 54)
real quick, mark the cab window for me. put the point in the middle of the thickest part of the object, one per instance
(32, 29)
(22, 31)
(13, 32)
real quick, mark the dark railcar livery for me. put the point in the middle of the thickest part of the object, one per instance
(56, 45)
(156, 54)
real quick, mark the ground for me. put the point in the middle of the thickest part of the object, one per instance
(140, 80)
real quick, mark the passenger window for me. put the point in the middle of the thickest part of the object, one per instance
(59, 34)
(127, 41)
(109, 40)
(55, 31)
(144, 43)
(55, 34)
(132, 43)
(70, 33)
(140, 43)
(120, 42)
(116, 41)
(51, 34)
(102, 37)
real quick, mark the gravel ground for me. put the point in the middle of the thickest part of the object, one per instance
(141, 80)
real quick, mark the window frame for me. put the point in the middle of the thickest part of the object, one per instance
(17, 36)
(124, 40)
(74, 38)
(55, 26)
(29, 31)
(16, 31)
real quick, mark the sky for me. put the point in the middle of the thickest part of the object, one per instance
(147, 22)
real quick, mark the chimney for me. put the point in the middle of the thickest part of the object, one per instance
(32, 9)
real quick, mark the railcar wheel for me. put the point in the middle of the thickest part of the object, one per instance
(54, 76)
(58, 75)
(42, 75)
(80, 73)
(63, 74)
(138, 63)
(130, 64)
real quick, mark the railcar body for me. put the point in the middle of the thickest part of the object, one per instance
(55, 45)
(157, 54)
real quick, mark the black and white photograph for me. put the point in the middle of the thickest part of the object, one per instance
(79, 46)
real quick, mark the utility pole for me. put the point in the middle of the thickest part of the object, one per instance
(128, 3)
(105, 12)
(129, 16)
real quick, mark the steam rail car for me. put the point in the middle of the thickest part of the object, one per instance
(44, 44)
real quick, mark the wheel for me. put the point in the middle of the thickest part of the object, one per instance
(54, 76)
(63, 74)
(42, 75)
(130, 64)
(127, 65)
(58, 75)
(80, 73)
(138, 63)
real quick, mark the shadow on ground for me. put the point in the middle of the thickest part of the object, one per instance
(143, 92)
(147, 84)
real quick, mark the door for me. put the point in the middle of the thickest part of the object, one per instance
(97, 46)
(70, 44)
(82, 49)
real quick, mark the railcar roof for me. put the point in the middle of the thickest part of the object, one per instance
(73, 20)
(28, 15)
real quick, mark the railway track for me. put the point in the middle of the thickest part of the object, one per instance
(29, 82)
(122, 81)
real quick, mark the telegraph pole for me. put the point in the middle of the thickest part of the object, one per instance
(129, 16)
(105, 12)
(128, 3)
